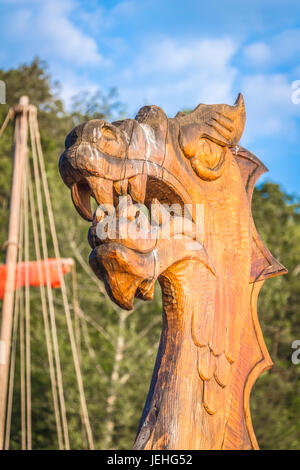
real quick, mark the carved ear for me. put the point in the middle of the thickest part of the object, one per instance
(153, 119)
(206, 133)
(156, 118)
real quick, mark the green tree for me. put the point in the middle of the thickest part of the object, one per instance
(275, 400)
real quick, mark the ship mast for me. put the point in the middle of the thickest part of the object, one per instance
(20, 149)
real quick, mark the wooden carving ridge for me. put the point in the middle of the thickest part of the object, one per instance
(210, 268)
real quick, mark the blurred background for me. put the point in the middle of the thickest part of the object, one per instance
(79, 60)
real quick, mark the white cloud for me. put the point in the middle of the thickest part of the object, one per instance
(73, 84)
(268, 94)
(258, 53)
(46, 27)
(270, 110)
(125, 8)
(176, 74)
(286, 46)
(281, 49)
(176, 55)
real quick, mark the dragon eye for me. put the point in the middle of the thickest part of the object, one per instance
(208, 160)
(209, 153)
(108, 133)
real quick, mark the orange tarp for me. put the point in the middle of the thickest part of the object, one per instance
(31, 269)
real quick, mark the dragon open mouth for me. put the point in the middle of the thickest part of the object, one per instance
(141, 225)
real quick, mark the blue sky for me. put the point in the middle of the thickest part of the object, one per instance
(174, 54)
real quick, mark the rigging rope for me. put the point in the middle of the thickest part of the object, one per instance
(27, 313)
(22, 315)
(45, 314)
(77, 335)
(75, 355)
(14, 342)
(22, 373)
(6, 121)
(48, 281)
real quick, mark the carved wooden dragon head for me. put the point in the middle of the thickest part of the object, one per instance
(211, 349)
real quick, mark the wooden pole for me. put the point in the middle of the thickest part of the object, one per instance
(19, 157)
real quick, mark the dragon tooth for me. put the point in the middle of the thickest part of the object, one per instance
(159, 214)
(81, 197)
(99, 214)
(137, 187)
(145, 290)
(156, 213)
(102, 189)
(125, 202)
(121, 187)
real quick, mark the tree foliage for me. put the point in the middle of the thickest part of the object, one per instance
(118, 349)
(275, 400)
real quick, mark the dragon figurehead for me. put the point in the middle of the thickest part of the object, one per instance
(190, 171)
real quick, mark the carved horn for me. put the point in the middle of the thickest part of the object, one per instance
(206, 133)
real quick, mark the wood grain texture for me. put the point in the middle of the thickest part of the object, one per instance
(210, 269)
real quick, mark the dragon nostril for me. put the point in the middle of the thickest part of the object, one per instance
(74, 136)
(71, 139)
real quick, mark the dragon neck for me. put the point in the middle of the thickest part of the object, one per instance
(175, 397)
